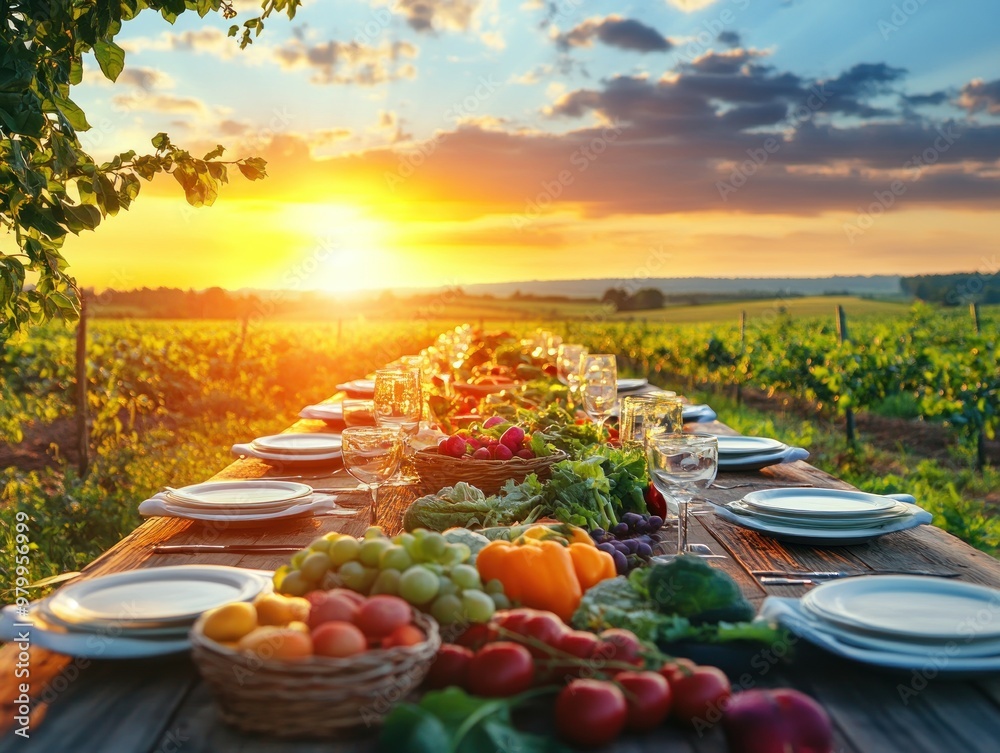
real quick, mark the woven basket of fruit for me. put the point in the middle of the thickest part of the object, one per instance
(282, 682)
(437, 470)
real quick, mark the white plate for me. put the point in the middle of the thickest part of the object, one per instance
(820, 503)
(86, 645)
(154, 596)
(631, 385)
(734, 446)
(242, 494)
(236, 519)
(974, 649)
(905, 606)
(324, 411)
(283, 459)
(901, 510)
(358, 387)
(299, 444)
(822, 537)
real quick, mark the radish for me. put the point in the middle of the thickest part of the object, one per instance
(492, 421)
(512, 438)
(481, 454)
(502, 452)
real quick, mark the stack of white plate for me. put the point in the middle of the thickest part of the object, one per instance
(298, 447)
(823, 516)
(332, 413)
(358, 387)
(741, 452)
(900, 614)
(136, 613)
(239, 502)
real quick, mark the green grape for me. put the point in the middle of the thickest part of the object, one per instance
(395, 557)
(465, 576)
(434, 567)
(446, 586)
(320, 545)
(294, 584)
(371, 551)
(418, 585)
(405, 540)
(374, 532)
(446, 609)
(456, 554)
(315, 566)
(332, 536)
(387, 582)
(353, 575)
(343, 550)
(419, 533)
(494, 586)
(500, 601)
(478, 606)
(433, 545)
(298, 557)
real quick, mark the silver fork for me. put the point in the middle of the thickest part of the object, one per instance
(763, 484)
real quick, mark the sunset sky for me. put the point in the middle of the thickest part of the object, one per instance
(441, 142)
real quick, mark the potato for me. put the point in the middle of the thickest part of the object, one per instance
(230, 622)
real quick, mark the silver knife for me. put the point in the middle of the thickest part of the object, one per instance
(779, 577)
(227, 548)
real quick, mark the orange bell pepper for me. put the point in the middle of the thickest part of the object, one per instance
(591, 565)
(538, 574)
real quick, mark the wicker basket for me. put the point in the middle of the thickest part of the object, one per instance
(319, 697)
(438, 471)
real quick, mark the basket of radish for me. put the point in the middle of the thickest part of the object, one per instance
(485, 456)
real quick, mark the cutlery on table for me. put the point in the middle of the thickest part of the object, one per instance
(788, 578)
(763, 484)
(226, 548)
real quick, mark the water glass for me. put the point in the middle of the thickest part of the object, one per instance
(599, 386)
(372, 455)
(359, 412)
(641, 414)
(568, 364)
(679, 465)
(398, 399)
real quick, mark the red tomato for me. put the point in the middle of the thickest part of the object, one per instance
(675, 669)
(404, 635)
(514, 619)
(700, 697)
(648, 697)
(450, 667)
(477, 635)
(545, 627)
(590, 713)
(619, 645)
(382, 614)
(578, 643)
(501, 669)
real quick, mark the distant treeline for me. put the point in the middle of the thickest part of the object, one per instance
(954, 290)
(653, 298)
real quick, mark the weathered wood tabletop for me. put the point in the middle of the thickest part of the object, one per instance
(160, 706)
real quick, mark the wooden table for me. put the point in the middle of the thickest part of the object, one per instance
(160, 706)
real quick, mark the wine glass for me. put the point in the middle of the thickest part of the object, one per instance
(359, 412)
(568, 363)
(642, 414)
(372, 455)
(599, 386)
(679, 464)
(398, 399)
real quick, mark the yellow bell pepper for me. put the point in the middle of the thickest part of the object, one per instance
(591, 565)
(564, 532)
(545, 574)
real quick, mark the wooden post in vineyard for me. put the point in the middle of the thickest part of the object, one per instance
(82, 435)
(974, 311)
(743, 350)
(843, 337)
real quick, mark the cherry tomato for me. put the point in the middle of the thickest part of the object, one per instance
(501, 669)
(545, 627)
(619, 645)
(648, 697)
(590, 713)
(700, 696)
(675, 669)
(477, 635)
(450, 667)
(578, 643)
(514, 619)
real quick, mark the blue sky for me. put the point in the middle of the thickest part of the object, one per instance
(495, 97)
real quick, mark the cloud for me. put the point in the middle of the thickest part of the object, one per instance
(336, 62)
(690, 6)
(729, 38)
(146, 78)
(979, 95)
(863, 81)
(493, 40)
(209, 40)
(430, 15)
(615, 31)
(140, 101)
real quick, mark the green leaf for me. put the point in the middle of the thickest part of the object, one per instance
(81, 217)
(161, 141)
(234, 30)
(412, 729)
(110, 57)
(253, 168)
(71, 113)
(217, 152)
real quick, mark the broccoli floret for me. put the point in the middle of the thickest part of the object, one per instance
(689, 587)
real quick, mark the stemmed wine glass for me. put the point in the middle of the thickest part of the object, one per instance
(679, 464)
(372, 455)
(398, 399)
(568, 366)
(599, 386)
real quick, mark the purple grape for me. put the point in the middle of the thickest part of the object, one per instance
(654, 523)
(644, 550)
(621, 564)
(620, 530)
(620, 546)
(598, 533)
(606, 547)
